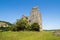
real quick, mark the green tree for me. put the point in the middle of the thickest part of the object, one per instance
(35, 27)
(22, 24)
(4, 28)
(13, 27)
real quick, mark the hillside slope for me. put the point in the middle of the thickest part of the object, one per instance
(5, 22)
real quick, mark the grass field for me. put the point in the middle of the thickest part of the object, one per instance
(28, 35)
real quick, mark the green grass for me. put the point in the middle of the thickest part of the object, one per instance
(28, 35)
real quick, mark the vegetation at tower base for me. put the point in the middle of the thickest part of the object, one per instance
(22, 24)
(35, 27)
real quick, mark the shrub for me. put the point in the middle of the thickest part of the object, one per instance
(5, 28)
(22, 24)
(35, 27)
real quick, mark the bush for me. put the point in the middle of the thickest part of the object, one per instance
(21, 27)
(22, 24)
(13, 27)
(5, 28)
(35, 27)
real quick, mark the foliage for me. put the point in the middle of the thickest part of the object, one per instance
(35, 26)
(5, 28)
(22, 24)
(13, 27)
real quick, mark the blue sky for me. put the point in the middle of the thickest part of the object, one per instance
(11, 10)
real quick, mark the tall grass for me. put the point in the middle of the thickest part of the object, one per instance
(28, 35)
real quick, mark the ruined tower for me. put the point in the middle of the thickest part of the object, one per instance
(35, 17)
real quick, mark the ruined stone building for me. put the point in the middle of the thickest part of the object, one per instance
(35, 17)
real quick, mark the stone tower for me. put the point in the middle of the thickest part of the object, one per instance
(35, 17)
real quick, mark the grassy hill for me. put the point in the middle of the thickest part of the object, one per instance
(28, 35)
(4, 22)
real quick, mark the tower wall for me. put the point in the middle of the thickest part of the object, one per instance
(35, 17)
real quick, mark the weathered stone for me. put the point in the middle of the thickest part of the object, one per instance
(35, 17)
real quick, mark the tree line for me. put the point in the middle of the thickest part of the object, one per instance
(22, 25)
